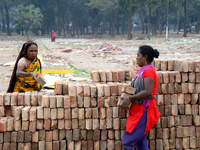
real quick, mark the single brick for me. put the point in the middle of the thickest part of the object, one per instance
(65, 88)
(58, 88)
(102, 74)
(27, 99)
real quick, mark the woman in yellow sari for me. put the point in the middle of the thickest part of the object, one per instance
(27, 68)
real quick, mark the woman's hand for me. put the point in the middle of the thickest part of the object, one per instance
(34, 75)
(125, 103)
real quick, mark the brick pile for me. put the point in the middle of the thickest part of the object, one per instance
(84, 115)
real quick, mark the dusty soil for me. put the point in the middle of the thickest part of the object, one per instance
(87, 55)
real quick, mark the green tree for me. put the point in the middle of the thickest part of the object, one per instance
(28, 16)
(129, 6)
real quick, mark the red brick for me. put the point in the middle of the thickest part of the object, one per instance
(47, 124)
(160, 77)
(87, 102)
(93, 102)
(59, 101)
(67, 101)
(195, 109)
(75, 123)
(20, 99)
(2, 111)
(102, 74)
(185, 87)
(115, 75)
(35, 136)
(93, 90)
(67, 113)
(40, 94)
(13, 146)
(191, 65)
(2, 97)
(13, 100)
(6, 146)
(49, 136)
(95, 76)
(157, 64)
(159, 144)
(32, 126)
(65, 88)
(113, 88)
(58, 88)
(197, 66)
(3, 124)
(121, 75)
(95, 113)
(79, 88)
(7, 136)
(10, 124)
(73, 101)
(178, 65)
(27, 99)
(45, 101)
(17, 125)
(164, 88)
(34, 98)
(33, 114)
(102, 113)
(39, 124)
(101, 101)
(110, 144)
(113, 101)
(164, 64)
(54, 124)
(72, 89)
(86, 90)
(7, 99)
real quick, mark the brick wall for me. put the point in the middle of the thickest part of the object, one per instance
(84, 115)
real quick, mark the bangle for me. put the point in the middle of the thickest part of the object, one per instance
(129, 99)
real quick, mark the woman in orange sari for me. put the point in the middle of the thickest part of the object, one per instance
(26, 69)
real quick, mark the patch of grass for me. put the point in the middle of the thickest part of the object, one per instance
(79, 73)
(46, 47)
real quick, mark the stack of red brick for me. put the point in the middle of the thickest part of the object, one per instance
(84, 115)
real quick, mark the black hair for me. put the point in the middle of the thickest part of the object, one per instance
(149, 51)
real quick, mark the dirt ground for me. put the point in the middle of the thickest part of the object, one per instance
(86, 53)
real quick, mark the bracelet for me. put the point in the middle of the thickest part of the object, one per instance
(129, 99)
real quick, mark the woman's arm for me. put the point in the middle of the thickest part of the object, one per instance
(148, 84)
(21, 73)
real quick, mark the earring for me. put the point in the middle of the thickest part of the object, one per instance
(145, 62)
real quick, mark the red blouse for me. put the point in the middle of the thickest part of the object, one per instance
(136, 111)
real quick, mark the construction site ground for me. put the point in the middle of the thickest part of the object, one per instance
(85, 53)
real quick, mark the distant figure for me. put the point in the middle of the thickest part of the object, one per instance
(26, 69)
(53, 36)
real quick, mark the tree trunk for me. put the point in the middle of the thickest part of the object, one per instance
(198, 20)
(185, 18)
(148, 27)
(142, 22)
(7, 20)
(3, 21)
(95, 28)
(104, 25)
(27, 32)
(112, 22)
(157, 21)
(22, 30)
(129, 24)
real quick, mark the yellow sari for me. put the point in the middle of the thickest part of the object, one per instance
(24, 84)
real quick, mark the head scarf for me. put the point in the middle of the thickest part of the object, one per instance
(22, 53)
